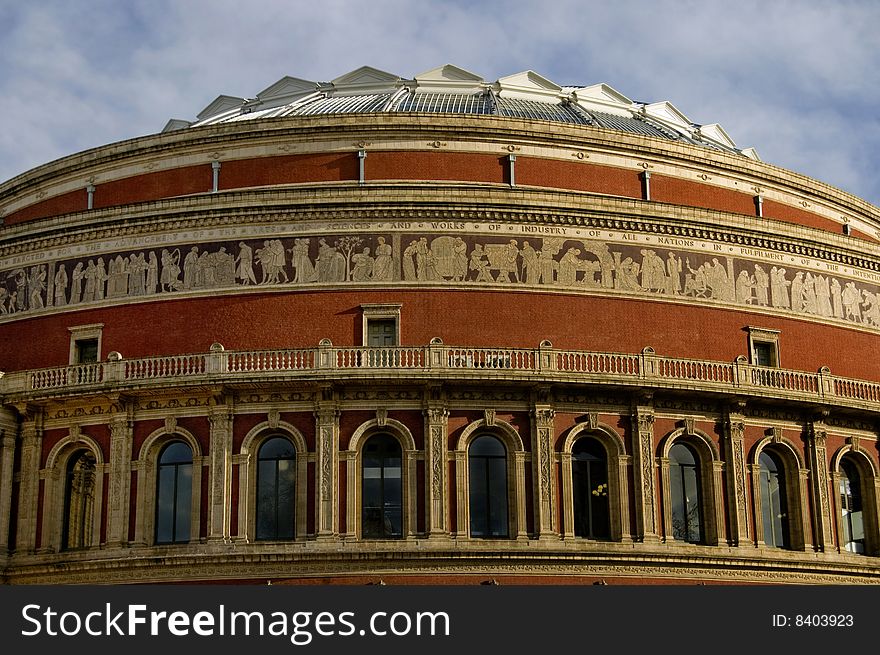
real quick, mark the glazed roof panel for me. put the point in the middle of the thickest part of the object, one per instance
(450, 90)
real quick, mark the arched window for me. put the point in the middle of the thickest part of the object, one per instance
(79, 501)
(382, 488)
(774, 506)
(276, 489)
(851, 507)
(174, 494)
(487, 471)
(684, 478)
(589, 471)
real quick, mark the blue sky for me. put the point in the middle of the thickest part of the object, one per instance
(799, 81)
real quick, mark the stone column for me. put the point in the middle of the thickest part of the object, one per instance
(326, 472)
(818, 463)
(220, 476)
(643, 474)
(29, 487)
(542, 470)
(737, 494)
(8, 433)
(436, 469)
(118, 501)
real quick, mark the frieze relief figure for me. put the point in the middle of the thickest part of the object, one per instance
(872, 308)
(76, 283)
(744, 285)
(90, 276)
(60, 287)
(762, 283)
(409, 267)
(363, 266)
(169, 279)
(37, 285)
(304, 271)
(331, 265)
(545, 261)
(779, 288)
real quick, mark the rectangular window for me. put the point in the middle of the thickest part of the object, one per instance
(763, 346)
(85, 343)
(381, 325)
(86, 351)
(765, 353)
(381, 332)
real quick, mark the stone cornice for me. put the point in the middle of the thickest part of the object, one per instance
(525, 560)
(433, 201)
(369, 127)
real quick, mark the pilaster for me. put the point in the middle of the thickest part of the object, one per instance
(737, 493)
(8, 433)
(326, 470)
(818, 463)
(436, 471)
(646, 520)
(118, 501)
(220, 481)
(29, 485)
(542, 469)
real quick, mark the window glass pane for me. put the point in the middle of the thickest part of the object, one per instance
(600, 527)
(382, 488)
(277, 447)
(184, 502)
(497, 496)
(487, 466)
(478, 497)
(773, 503)
(176, 452)
(487, 446)
(590, 478)
(165, 505)
(685, 494)
(679, 510)
(765, 353)
(266, 500)
(692, 499)
(79, 499)
(851, 504)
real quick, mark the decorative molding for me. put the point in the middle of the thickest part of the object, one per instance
(557, 259)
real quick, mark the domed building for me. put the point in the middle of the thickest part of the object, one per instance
(437, 330)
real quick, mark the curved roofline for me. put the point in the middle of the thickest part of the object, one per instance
(452, 89)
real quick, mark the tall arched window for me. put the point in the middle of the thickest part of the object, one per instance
(276, 489)
(79, 501)
(174, 494)
(851, 507)
(774, 506)
(684, 478)
(487, 471)
(382, 488)
(589, 471)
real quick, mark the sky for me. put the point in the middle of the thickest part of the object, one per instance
(798, 81)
